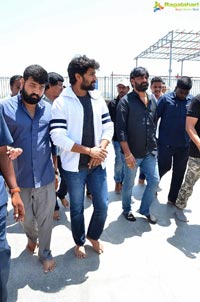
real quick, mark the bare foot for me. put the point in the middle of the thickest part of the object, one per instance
(31, 246)
(48, 265)
(97, 245)
(65, 202)
(56, 215)
(141, 181)
(80, 251)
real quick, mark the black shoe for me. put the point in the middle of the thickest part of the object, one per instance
(151, 219)
(129, 216)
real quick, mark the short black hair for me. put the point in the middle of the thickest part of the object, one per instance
(14, 78)
(53, 79)
(37, 72)
(139, 72)
(156, 79)
(80, 65)
(184, 82)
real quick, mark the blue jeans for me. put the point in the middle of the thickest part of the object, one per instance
(4, 255)
(149, 167)
(97, 181)
(119, 163)
(179, 157)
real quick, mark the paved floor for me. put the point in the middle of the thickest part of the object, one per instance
(157, 263)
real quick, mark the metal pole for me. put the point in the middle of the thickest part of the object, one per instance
(170, 64)
(112, 85)
(170, 60)
(181, 67)
(105, 96)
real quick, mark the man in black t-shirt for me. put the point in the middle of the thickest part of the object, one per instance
(122, 89)
(193, 168)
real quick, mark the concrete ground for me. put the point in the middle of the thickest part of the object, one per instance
(157, 263)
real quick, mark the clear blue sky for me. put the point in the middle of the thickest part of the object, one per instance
(50, 33)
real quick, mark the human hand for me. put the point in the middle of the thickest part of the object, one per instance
(18, 206)
(98, 153)
(56, 182)
(94, 163)
(13, 153)
(130, 161)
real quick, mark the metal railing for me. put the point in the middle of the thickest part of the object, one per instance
(4, 86)
(107, 85)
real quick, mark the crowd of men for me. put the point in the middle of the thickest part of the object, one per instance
(47, 131)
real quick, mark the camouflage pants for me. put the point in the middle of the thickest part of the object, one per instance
(191, 177)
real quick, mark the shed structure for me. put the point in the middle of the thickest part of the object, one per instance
(176, 45)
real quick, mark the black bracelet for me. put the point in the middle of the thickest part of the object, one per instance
(56, 172)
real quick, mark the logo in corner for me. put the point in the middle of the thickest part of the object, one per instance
(157, 6)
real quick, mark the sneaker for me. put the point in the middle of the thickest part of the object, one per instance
(180, 215)
(129, 216)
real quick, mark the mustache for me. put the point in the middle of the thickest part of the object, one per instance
(32, 95)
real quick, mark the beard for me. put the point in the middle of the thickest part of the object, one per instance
(141, 87)
(32, 98)
(86, 87)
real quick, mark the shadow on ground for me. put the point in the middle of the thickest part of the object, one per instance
(186, 238)
(69, 271)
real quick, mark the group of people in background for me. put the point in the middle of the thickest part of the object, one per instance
(154, 132)
(47, 131)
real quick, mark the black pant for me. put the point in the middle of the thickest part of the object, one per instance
(62, 191)
(175, 158)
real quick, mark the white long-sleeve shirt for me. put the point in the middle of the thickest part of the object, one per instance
(67, 125)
